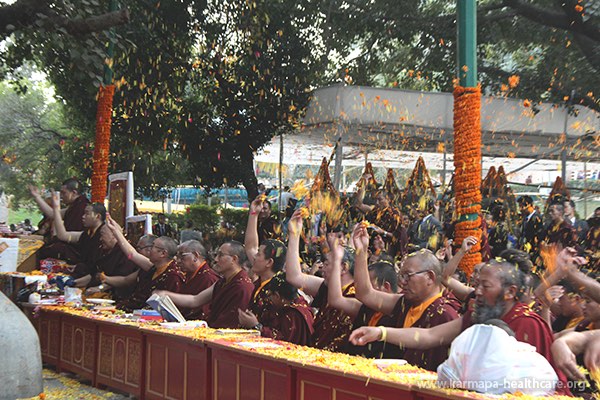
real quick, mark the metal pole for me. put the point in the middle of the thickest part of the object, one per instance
(563, 154)
(467, 42)
(444, 168)
(339, 155)
(585, 211)
(280, 173)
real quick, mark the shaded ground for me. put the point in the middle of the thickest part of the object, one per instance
(67, 387)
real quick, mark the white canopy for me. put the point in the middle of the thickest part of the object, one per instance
(392, 127)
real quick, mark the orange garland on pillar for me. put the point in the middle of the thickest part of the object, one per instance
(102, 145)
(467, 164)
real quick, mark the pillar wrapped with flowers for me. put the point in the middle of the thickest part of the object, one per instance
(102, 142)
(467, 167)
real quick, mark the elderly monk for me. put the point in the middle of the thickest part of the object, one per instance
(158, 269)
(332, 327)
(192, 260)
(498, 294)
(292, 320)
(230, 293)
(421, 304)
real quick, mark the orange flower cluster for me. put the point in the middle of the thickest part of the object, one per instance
(467, 164)
(102, 145)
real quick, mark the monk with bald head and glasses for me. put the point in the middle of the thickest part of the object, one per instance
(231, 292)
(421, 303)
(497, 296)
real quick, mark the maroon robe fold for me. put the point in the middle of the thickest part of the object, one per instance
(529, 328)
(261, 304)
(292, 323)
(89, 250)
(73, 218)
(269, 229)
(172, 280)
(332, 327)
(115, 263)
(439, 312)
(227, 298)
(202, 279)
(368, 317)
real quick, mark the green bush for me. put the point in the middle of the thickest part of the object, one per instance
(204, 217)
(237, 219)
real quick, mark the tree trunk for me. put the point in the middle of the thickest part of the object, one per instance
(249, 179)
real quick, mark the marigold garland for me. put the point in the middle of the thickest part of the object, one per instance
(467, 164)
(102, 145)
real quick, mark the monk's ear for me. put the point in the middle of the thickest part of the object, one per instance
(387, 287)
(510, 293)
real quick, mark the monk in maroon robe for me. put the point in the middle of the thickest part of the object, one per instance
(163, 275)
(291, 320)
(72, 217)
(111, 262)
(267, 259)
(199, 276)
(87, 249)
(229, 294)
(332, 327)
(167, 277)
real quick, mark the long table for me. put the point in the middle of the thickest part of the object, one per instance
(153, 364)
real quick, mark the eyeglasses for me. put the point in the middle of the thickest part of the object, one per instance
(159, 248)
(145, 247)
(405, 276)
(221, 254)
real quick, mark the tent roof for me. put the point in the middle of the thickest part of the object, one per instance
(370, 118)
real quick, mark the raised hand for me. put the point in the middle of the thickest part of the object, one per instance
(257, 204)
(295, 223)
(360, 238)
(335, 245)
(35, 192)
(468, 243)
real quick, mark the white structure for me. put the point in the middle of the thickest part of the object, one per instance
(392, 127)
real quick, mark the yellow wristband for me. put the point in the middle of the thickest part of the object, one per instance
(383, 333)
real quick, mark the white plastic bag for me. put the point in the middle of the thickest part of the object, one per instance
(485, 359)
(73, 295)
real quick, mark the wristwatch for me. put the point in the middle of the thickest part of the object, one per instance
(101, 287)
(258, 326)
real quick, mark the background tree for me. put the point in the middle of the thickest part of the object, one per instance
(257, 62)
(33, 137)
(552, 46)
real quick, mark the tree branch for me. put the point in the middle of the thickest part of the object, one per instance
(555, 19)
(26, 13)
(83, 26)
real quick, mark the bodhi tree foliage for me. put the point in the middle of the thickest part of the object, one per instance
(201, 85)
